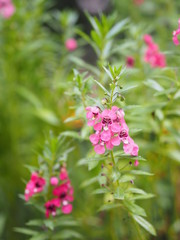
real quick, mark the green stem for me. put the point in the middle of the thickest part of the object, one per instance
(112, 157)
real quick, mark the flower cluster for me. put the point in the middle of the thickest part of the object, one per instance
(111, 129)
(7, 8)
(176, 33)
(35, 185)
(62, 192)
(152, 55)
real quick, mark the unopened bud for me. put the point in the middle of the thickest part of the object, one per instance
(104, 101)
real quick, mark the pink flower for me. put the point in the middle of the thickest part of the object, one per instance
(7, 9)
(51, 206)
(138, 2)
(66, 208)
(148, 39)
(130, 62)
(64, 192)
(152, 54)
(136, 163)
(93, 115)
(71, 44)
(112, 132)
(35, 185)
(54, 181)
(176, 33)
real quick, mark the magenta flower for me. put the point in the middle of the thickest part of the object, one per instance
(71, 44)
(51, 206)
(152, 54)
(130, 62)
(35, 185)
(7, 9)
(112, 131)
(176, 33)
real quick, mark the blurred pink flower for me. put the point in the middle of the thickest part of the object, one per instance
(138, 2)
(35, 185)
(176, 33)
(152, 54)
(71, 44)
(7, 9)
(130, 62)
(54, 181)
(63, 174)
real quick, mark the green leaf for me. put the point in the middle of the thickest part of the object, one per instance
(89, 182)
(47, 116)
(73, 134)
(134, 208)
(108, 72)
(145, 196)
(85, 161)
(119, 194)
(40, 236)
(29, 96)
(175, 155)
(136, 190)
(25, 231)
(127, 88)
(153, 84)
(139, 172)
(35, 222)
(103, 88)
(126, 178)
(49, 224)
(66, 234)
(117, 28)
(71, 119)
(109, 206)
(177, 95)
(145, 224)
(85, 65)
(100, 191)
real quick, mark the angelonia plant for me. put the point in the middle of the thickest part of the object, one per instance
(97, 93)
(117, 174)
(50, 191)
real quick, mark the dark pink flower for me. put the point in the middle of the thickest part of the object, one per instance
(130, 62)
(71, 44)
(51, 206)
(7, 9)
(35, 185)
(176, 33)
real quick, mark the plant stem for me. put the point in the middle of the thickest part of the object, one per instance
(112, 157)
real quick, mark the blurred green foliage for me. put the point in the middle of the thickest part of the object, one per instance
(38, 92)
